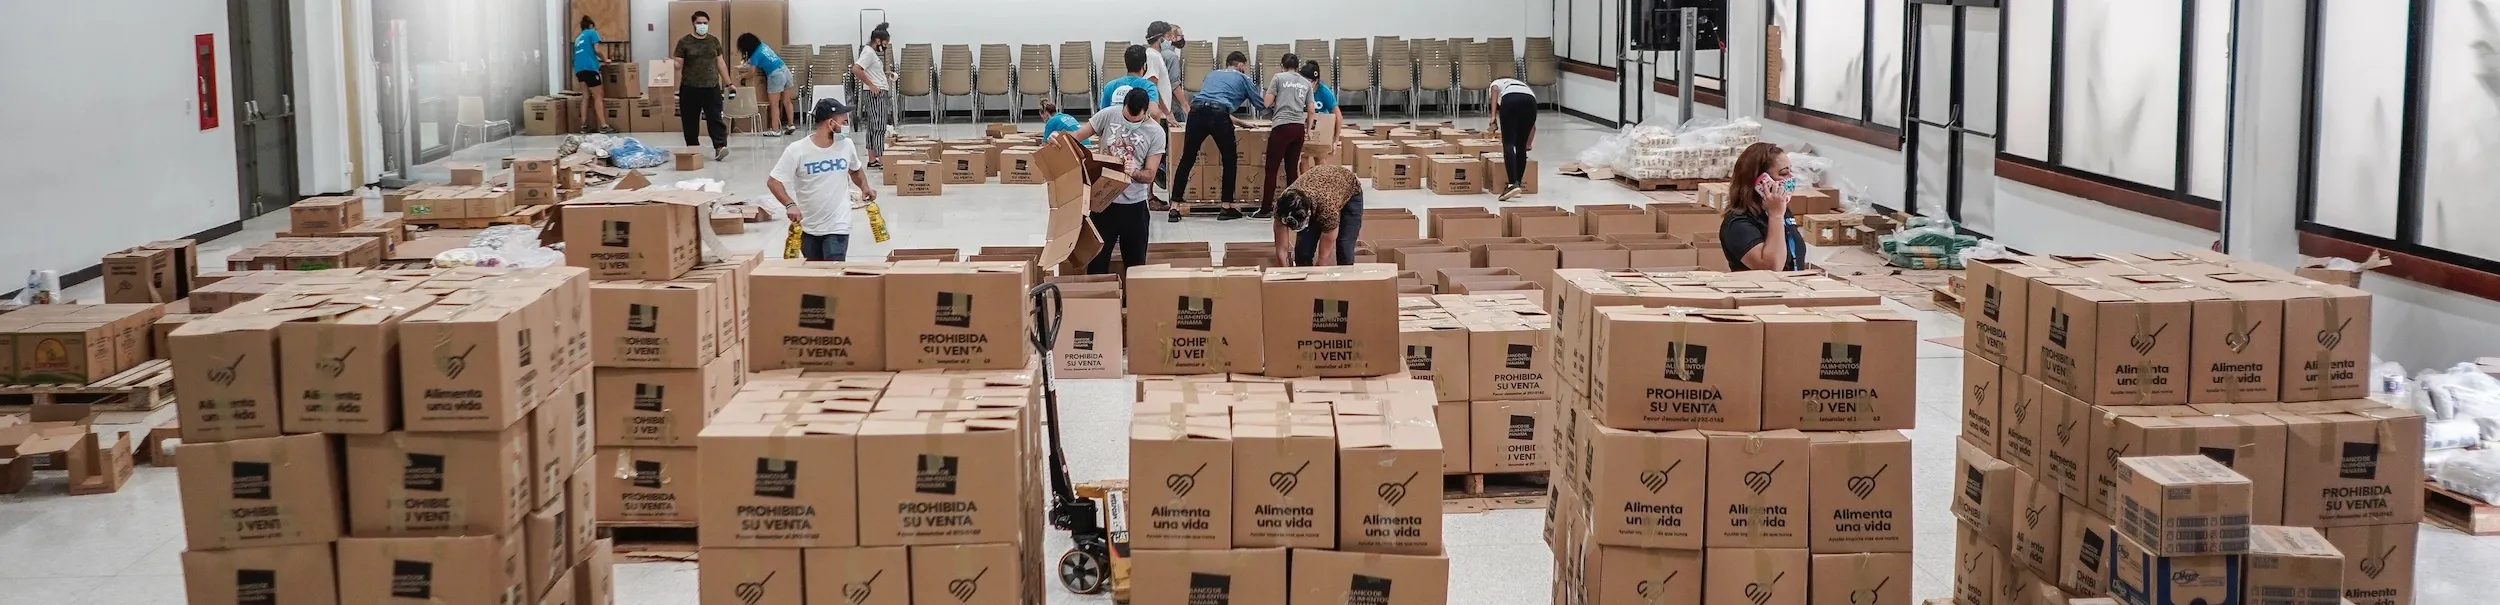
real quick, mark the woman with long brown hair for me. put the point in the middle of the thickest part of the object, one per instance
(1758, 197)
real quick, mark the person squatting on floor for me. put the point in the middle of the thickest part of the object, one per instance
(702, 67)
(876, 93)
(1319, 218)
(1290, 94)
(815, 178)
(1211, 116)
(1514, 114)
(1131, 134)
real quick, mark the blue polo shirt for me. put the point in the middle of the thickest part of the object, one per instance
(586, 51)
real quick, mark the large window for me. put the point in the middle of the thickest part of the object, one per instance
(2403, 127)
(1839, 60)
(2128, 93)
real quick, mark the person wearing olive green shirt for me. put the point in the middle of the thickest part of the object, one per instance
(702, 67)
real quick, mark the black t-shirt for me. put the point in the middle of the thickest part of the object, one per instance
(1739, 232)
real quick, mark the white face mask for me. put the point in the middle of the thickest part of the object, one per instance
(703, 29)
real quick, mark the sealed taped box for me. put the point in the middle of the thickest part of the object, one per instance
(2083, 540)
(1189, 506)
(2293, 565)
(1758, 489)
(1677, 369)
(1331, 321)
(632, 234)
(1285, 479)
(1195, 320)
(860, 576)
(256, 493)
(939, 482)
(1839, 369)
(475, 569)
(304, 573)
(474, 367)
(815, 316)
(1862, 578)
(779, 486)
(438, 484)
(1387, 464)
(1321, 576)
(2139, 576)
(2351, 463)
(1860, 492)
(647, 484)
(959, 316)
(654, 324)
(227, 372)
(2378, 562)
(2182, 505)
(1243, 576)
(1769, 576)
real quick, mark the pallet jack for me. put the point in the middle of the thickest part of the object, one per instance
(1085, 569)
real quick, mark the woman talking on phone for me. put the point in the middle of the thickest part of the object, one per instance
(1745, 232)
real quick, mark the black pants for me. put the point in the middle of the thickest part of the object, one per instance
(1349, 228)
(704, 103)
(1207, 121)
(1122, 226)
(1518, 113)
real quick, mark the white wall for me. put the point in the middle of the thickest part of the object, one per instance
(105, 147)
(1055, 21)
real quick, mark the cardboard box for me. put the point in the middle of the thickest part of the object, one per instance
(1331, 321)
(473, 175)
(1858, 503)
(2139, 576)
(632, 236)
(1865, 376)
(1459, 224)
(1092, 328)
(778, 486)
(2083, 539)
(1321, 576)
(648, 324)
(2021, 432)
(2378, 562)
(1187, 461)
(1195, 321)
(1285, 479)
(966, 316)
(438, 484)
(1750, 503)
(818, 317)
(1504, 360)
(1616, 574)
(1539, 222)
(1233, 577)
(622, 79)
(475, 569)
(1437, 350)
(2181, 506)
(1677, 369)
(1983, 495)
(1862, 578)
(2351, 463)
(2249, 444)
(660, 407)
(859, 576)
(595, 577)
(324, 386)
(1456, 419)
(546, 542)
(1390, 223)
(256, 493)
(1983, 401)
(2066, 454)
(1386, 464)
(2292, 565)
(1684, 219)
(1397, 171)
(1504, 436)
(546, 116)
(973, 574)
(1456, 175)
(751, 576)
(479, 369)
(303, 573)
(140, 275)
(1497, 175)
(1768, 576)
(1017, 167)
(1977, 564)
(2104, 344)
(962, 167)
(647, 484)
(2039, 518)
(939, 482)
(229, 378)
(2326, 345)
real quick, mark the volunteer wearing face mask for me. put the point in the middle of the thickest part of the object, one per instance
(1761, 197)
(702, 69)
(815, 178)
(1164, 57)
(876, 93)
(1130, 134)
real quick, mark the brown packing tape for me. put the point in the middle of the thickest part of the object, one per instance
(2239, 325)
(1753, 504)
(2334, 317)
(395, 508)
(2143, 355)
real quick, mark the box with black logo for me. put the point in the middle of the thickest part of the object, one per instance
(248, 493)
(858, 576)
(1248, 576)
(2140, 576)
(931, 481)
(654, 324)
(1645, 487)
(1862, 578)
(594, 579)
(1504, 362)
(341, 374)
(2113, 340)
(549, 544)
(1505, 436)
(1860, 495)
(1331, 321)
(956, 316)
(1839, 369)
(226, 368)
(1387, 501)
(303, 573)
(1757, 489)
(1436, 349)
(473, 569)
(917, 178)
(1285, 478)
(2351, 462)
(473, 365)
(1321, 576)
(2083, 549)
(2293, 564)
(2378, 562)
(632, 234)
(1194, 320)
(2181, 506)
(751, 576)
(2039, 521)
(2000, 293)
(968, 574)
(659, 407)
(1985, 386)
(2249, 444)
(2101, 463)
(1983, 493)
(1185, 462)
(648, 484)
(779, 485)
(438, 484)
(1676, 368)
(1765, 576)
(1091, 341)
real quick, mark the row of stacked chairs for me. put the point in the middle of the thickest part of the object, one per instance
(1454, 72)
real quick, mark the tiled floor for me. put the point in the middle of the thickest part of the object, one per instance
(124, 547)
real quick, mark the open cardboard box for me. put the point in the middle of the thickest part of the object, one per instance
(93, 469)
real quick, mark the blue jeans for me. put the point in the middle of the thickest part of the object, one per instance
(825, 247)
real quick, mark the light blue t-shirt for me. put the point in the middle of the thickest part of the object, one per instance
(1061, 122)
(1116, 91)
(586, 51)
(764, 59)
(1326, 97)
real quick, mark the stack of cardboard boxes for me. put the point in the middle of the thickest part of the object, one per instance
(307, 254)
(458, 403)
(1484, 355)
(159, 272)
(2076, 363)
(75, 344)
(1739, 445)
(343, 217)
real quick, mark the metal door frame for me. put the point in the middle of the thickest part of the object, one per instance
(250, 115)
(1912, 122)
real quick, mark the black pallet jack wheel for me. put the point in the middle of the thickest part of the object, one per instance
(1083, 572)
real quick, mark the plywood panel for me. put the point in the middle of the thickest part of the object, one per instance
(614, 18)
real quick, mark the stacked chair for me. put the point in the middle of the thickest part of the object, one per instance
(996, 78)
(1475, 72)
(1543, 68)
(1076, 72)
(954, 80)
(917, 68)
(1033, 73)
(1434, 72)
(1354, 72)
(1196, 61)
(1397, 72)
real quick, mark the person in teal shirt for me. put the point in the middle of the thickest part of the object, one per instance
(1059, 121)
(1116, 90)
(1324, 97)
(776, 99)
(586, 71)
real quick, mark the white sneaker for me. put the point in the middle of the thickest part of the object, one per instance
(1513, 192)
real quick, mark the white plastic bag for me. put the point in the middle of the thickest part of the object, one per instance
(2474, 473)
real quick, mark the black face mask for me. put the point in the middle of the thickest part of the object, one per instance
(1181, 43)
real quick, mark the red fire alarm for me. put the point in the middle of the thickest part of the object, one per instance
(204, 47)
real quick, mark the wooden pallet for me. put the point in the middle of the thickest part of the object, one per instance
(2459, 511)
(1493, 485)
(632, 537)
(525, 215)
(1663, 184)
(139, 389)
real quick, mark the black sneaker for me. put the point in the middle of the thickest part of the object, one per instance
(1175, 215)
(1263, 214)
(1228, 214)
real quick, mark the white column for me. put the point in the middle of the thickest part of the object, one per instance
(2266, 131)
(1745, 44)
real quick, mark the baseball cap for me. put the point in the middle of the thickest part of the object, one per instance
(827, 108)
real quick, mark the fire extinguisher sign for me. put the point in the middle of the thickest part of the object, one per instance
(204, 47)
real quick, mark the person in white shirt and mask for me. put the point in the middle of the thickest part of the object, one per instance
(876, 93)
(815, 178)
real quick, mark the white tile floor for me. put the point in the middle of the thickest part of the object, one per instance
(124, 547)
